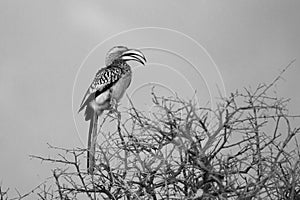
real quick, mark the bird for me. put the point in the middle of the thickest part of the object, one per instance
(106, 90)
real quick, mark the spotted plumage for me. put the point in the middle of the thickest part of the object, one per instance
(105, 79)
(109, 85)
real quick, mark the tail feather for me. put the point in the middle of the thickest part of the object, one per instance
(89, 145)
(92, 141)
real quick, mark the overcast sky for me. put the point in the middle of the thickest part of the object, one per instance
(43, 45)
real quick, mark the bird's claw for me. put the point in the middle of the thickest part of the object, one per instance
(113, 106)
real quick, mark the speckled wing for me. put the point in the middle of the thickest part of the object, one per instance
(105, 78)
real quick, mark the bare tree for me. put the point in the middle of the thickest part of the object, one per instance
(244, 149)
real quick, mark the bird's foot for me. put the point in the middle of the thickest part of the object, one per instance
(114, 106)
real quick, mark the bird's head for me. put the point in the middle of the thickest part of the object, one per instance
(121, 53)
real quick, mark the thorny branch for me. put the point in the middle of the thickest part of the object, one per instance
(241, 150)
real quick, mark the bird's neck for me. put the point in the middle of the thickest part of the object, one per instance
(123, 65)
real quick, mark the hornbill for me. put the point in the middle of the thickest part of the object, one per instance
(107, 88)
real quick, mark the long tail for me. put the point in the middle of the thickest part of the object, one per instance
(92, 140)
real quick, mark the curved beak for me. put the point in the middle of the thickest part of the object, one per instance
(134, 54)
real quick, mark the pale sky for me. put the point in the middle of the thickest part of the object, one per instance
(43, 44)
